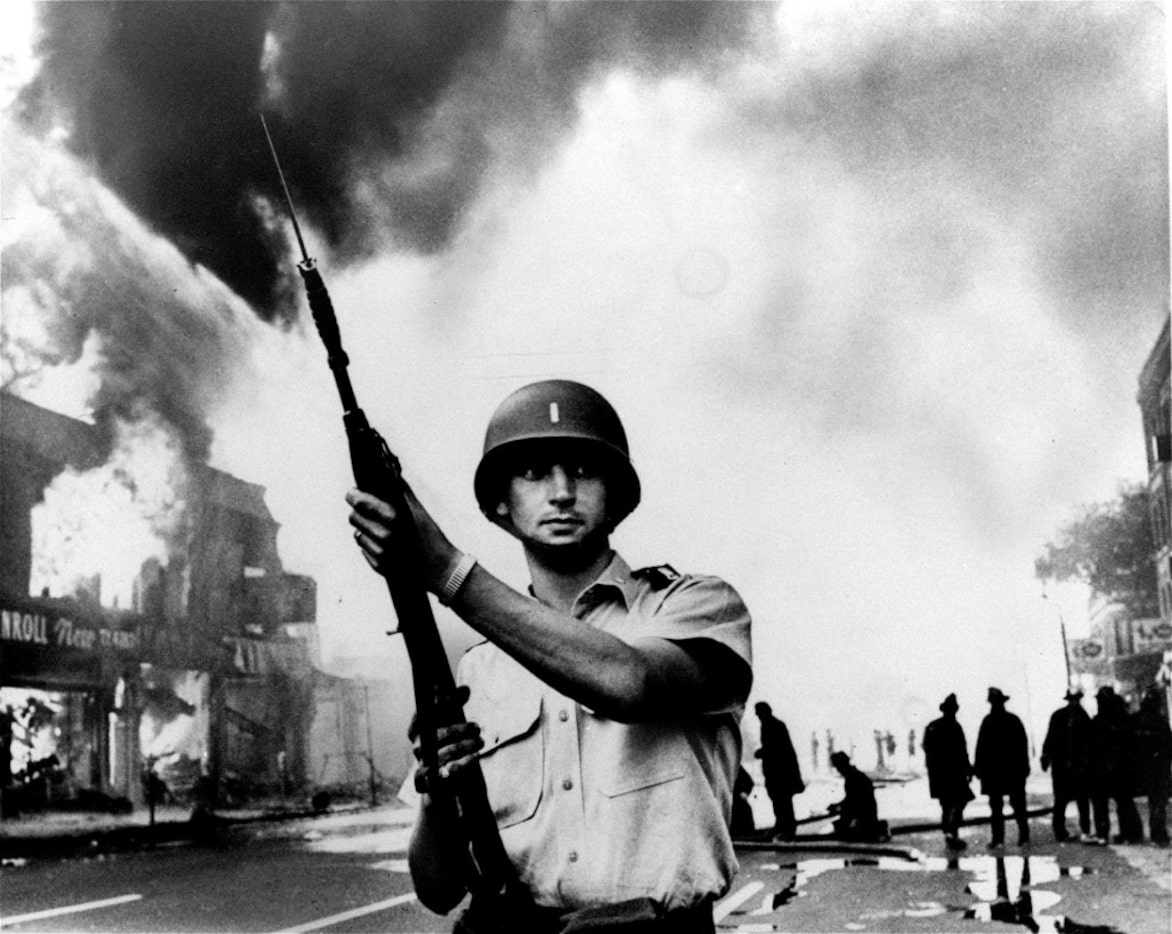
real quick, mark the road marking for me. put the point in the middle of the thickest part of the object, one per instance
(348, 915)
(735, 900)
(68, 909)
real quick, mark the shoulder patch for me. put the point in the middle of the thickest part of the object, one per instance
(658, 576)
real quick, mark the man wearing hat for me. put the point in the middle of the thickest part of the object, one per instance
(1066, 752)
(605, 703)
(780, 769)
(1153, 744)
(946, 755)
(1002, 762)
(1113, 769)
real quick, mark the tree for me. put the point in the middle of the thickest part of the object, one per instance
(1108, 547)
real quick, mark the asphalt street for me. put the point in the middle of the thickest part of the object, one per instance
(347, 873)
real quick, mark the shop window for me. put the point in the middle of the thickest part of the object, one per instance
(54, 743)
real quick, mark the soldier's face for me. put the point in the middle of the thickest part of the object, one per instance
(556, 499)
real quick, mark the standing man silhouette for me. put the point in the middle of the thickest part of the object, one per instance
(779, 765)
(1002, 762)
(1113, 769)
(1153, 742)
(1066, 752)
(946, 754)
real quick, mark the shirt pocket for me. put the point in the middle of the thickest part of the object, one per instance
(513, 758)
(646, 761)
(641, 780)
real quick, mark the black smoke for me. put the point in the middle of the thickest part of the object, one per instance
(389, 117)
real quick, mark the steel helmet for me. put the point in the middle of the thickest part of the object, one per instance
(557, 410)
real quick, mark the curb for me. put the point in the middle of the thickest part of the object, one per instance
(203, 830)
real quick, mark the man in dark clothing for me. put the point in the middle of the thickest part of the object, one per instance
(1002, 762)
(858, 814)
(779, 766)
(742, 824)
(946, 754)
(1066, 753)
(1153, 742)
(1113, 769)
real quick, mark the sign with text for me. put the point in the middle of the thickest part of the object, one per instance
(47, 630)
(55, 629)
(1150, 635)
(1087, 656)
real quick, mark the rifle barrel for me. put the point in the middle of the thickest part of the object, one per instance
(288, 197)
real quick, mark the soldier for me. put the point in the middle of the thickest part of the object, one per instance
(1002, 762)
(1066, 752)
(779, 767)
(946, 755)
(604, 704)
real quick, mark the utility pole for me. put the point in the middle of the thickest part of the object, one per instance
(1062, 630)
(369, 746)
(150, 783)
(1065, 647)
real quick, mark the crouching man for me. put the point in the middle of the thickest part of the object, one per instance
(604, 704)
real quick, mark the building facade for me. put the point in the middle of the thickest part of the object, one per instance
(1155, 403)
(1129, 654)
(191, 676)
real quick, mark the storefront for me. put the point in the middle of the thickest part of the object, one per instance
(78, 684)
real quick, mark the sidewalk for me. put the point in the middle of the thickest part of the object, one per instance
(64, 835)
(60, 835)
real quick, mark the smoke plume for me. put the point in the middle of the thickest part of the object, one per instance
(85, 281)
(388, 117)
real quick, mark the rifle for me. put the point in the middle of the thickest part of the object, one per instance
(489, 871)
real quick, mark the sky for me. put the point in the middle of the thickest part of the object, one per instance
(870, 285)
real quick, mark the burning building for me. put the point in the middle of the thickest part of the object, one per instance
(147, 622)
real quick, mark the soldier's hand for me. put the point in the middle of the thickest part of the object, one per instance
(373, 520)
(463, 692)
(457, 745)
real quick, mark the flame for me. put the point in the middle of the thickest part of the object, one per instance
(96, 528)
(173, 726)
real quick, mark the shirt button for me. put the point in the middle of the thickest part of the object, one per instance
(564, 716)
(573, 856)
(567, 784)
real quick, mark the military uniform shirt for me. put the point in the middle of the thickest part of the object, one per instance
(594, 811)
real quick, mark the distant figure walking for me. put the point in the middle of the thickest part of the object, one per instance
(1113, 769)
(779, 766)
(1153, 742)
(946, 755)
(858, 814)
(1066, 752)
(1002, 762)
